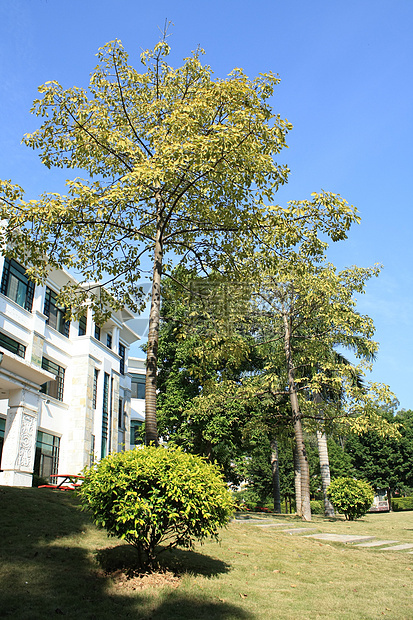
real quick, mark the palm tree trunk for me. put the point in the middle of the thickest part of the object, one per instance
(325, 471)
(151, 430)
(297, 481)
(323, 457)
(275, 476)
(305, 509)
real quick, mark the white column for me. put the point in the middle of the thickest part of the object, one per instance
(20, 438)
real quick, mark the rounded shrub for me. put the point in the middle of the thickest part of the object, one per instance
(350, 497)
(156, 496)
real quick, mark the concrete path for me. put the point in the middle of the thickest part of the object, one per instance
(298, 530)
(270, 525)
(343, 538)
(356, 540)
(397, 547)
(376, 543)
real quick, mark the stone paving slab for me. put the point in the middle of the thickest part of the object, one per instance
(398, 547)
(253, 521)
(344, 538)
(376, 543)
(270, 525)
(299, 530)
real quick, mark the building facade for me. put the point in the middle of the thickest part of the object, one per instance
(65, 389)
(137, 371)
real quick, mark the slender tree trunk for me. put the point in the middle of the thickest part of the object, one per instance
(298, 430)
(389, 498)
(323, 457)
(297, 481)
(151, 430)
(275, 476)
(325, 471)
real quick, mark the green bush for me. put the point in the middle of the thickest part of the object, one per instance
(151, 496)
(37, 481)
(317, 507)
(402, 503)
(350, 497)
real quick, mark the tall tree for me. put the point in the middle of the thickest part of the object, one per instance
(386, 462)
(179, 167)
(310, 309)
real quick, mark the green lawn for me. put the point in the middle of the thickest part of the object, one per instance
(53, 562)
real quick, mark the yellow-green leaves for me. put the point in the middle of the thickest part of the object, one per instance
(157, 496)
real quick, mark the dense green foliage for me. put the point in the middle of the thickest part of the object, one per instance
(156, 496)
(317, 507)
(402, 503)
(385, 462)
(350, 497)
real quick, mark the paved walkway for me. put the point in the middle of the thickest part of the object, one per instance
(356, 540)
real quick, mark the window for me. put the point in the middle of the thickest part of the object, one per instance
(105, 415)
(2, 432)
(95, 388)
(12, 345)
(53, 388)
(82, 325)
(97, 332)
(46, 460)
(122, 353)
(109, 340)
(92, 451)
(55, 313)
(120, 413)
(16, 285)
(138, 386)
(135, 432)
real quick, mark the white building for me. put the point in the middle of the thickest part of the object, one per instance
(137, 371)
(65, 390)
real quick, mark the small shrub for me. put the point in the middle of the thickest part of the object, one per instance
(37, 481)
(350, 497)
(402, 503)
(317, 507)
(152, 496)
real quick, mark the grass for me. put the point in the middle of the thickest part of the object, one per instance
(53, 561)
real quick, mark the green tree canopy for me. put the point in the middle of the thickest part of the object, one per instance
(177, 166)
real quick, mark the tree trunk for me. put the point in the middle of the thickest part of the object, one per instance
(275, 476)
(305, 509)
(323, 457)
(325, 471)
(151, 430)
(389, 498)
(297, 481)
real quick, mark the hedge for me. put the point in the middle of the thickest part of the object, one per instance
(402, 503)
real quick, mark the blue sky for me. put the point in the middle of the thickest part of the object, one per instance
(346, 87)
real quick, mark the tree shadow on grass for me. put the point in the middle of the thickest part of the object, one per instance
(124, 557)
(47, 568)
(178, 607)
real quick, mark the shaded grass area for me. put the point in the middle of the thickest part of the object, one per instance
(53, 561)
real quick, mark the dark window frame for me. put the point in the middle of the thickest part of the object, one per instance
(95, 388)
(55, 313)
(105, 414)
(122, 361)
(138, 381)
(135, 426)
(82, 325)
(53, 388)
(121, 414)
(12, 345)
(12, 269)
(46, 452)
